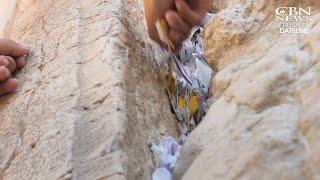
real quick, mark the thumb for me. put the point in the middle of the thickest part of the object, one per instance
(11, 48)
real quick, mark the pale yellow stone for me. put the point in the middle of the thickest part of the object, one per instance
(264, 123)
(90, 101)
(7, 11)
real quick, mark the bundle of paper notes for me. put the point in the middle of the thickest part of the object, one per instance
(187, 77)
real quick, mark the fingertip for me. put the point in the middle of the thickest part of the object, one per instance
(171, 17)
(20, 50)
(12, 84)
(4, 61)
(12, 64)
(4, 73)
(25, 49)
(9, 86)
(169, 14)
(21, 61)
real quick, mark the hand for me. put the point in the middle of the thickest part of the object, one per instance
(12, 57)
(187, 15)
(181, 16)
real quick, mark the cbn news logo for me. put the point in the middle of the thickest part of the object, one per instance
(294, 20)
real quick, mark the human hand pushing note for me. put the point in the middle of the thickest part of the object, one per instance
(181, 16)
(12, 57)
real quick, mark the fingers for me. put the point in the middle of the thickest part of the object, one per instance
(4, 61)
(12, 63)
(9, 86)
(179, 30)
(12, 56)
(187, 14)
(4, 73)
(175, 22)
(181, 22)
(21, 61)
(11, 48)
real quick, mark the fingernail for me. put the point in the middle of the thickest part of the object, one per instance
(26, 47)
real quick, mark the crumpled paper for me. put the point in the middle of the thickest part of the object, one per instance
(187, 77)
(166, 155)
(162, 174)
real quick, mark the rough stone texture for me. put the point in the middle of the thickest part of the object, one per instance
(7, 10)
(265, 119)
(90, 100)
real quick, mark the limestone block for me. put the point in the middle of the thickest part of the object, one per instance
(264, 122)
(7, 11)
(90, 100)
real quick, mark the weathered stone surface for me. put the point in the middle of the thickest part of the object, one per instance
(90, 100)
(7, 12)
(264, 122)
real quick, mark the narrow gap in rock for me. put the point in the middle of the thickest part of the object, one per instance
(187, 78)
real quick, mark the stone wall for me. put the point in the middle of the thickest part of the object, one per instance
(90, 101)
(7, 11)
(265, 121)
